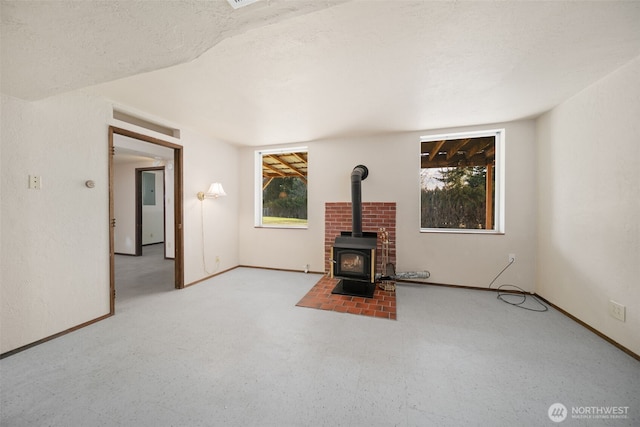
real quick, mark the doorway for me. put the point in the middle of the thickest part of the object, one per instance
(151, 218)
(173, 209)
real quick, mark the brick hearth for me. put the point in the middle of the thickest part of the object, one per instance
(383, 303)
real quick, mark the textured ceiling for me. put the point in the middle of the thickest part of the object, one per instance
(291, 71)
(50, 46)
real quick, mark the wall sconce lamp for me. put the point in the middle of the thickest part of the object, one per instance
(214, 191)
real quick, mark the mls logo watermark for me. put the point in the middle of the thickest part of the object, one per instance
(557, 412)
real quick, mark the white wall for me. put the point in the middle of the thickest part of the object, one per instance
(169, 220)
(589, 209)
(55, 241)
(124, 208)
(394, 163)
(208, 161)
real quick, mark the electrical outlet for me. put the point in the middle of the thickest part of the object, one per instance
(217, 259)
(512, 258)
(34, 182)
(617, 310)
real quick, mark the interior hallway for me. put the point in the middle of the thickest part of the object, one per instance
(236, 351)
(138, 276)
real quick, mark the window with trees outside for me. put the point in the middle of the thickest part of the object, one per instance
(462, 182)
(281, 188)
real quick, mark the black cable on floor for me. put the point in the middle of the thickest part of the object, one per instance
(522, 297)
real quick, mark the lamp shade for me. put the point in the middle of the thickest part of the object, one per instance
(215, 190)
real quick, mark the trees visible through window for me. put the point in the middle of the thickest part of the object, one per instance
(461, 184)
(281, 193)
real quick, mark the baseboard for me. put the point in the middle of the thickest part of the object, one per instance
(49, 338)
(592, 329)
(474, 288)
(248, 266)
(282, 269)
(210, 276)
(123, 254)
(570, 316)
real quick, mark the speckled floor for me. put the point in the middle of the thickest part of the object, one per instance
(236, 351)
(137, 277)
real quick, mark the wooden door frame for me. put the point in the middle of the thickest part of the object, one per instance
(138, 242)
(177, 207)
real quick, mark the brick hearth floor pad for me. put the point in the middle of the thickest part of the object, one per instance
(383, 303)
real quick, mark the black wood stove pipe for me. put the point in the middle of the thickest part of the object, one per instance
(358, 175)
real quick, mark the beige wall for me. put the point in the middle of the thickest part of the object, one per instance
(589, 204)
(208, 161)
(571, 217)
(394, 164)
(55, 241)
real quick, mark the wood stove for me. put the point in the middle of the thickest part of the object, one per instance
(353, 255)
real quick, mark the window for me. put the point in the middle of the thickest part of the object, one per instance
(461, 182)
(281, 188)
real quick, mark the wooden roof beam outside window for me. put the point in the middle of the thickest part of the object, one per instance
(274, 170)
(457, 147)
(436, 149)
(300, 158)
(293, 169)
(490, 154)
(266, 183)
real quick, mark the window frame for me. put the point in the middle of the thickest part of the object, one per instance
(499, 186)
(258, 191)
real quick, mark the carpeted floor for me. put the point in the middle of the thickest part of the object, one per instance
(383, 303)
(140, 276)
(235, 350)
